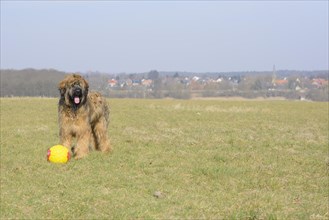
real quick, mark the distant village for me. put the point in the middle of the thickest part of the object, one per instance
(287, 84)
(199, 83)
(296, 85)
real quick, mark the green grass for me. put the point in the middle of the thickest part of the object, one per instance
(210, 159)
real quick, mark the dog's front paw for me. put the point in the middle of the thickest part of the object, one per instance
(79, 156)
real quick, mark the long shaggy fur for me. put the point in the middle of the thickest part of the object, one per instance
(82, 115)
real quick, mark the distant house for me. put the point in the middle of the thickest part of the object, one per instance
(195, 78)
(318, 83)
(219, 80)
(147, 82)
(280, 82)
(136, 82)
(112, 82)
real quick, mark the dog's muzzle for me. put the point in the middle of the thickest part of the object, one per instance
(77, 94)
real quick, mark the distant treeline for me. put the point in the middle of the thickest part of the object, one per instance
(310, 85)
(30, 82)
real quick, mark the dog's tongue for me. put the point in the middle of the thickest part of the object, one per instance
(76, 100)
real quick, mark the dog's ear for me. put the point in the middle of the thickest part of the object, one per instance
(62, 91)
(62, 87)
(86, 84)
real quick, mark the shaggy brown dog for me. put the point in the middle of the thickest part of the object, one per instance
(82, 115)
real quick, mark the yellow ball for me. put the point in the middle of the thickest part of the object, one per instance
(58, 154)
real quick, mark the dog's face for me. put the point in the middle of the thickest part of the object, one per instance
(73, 90)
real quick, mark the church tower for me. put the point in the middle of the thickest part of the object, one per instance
(274, 76)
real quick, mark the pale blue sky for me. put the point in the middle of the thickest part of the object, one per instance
(138, 36)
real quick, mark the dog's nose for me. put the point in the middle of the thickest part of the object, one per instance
(77, 91)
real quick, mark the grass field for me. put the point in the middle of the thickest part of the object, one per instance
(207, 159)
